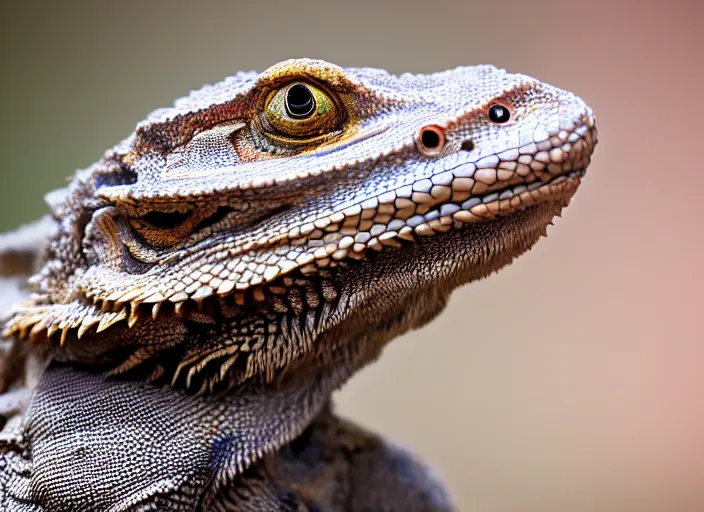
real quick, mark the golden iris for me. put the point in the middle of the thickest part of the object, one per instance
(301, 110)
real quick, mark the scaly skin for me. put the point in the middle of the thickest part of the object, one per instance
(230, 249)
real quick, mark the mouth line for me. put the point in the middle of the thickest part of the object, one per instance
(499, 181)
(325, 243)
(499, 203)
(491, 208)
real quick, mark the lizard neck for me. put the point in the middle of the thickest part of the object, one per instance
(175, 441)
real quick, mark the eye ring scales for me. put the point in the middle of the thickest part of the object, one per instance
(301, 111)
(499, 114)
(300, 102)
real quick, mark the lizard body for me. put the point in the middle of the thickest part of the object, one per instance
(214, 277)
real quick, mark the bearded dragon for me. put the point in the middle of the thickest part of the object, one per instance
(198, 293)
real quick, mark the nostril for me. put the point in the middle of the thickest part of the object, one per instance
(431, 140)
(468, 145)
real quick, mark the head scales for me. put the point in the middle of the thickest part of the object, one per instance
(205, 245)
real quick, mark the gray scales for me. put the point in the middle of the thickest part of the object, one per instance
(175, 328)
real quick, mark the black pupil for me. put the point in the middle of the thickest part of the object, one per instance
(299, 101)
(499, 114)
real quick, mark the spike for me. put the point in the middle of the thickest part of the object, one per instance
(155, 310)
(36, 331)
(138, 357)
(225, 367)
(111, 319)
(177, 372)
(51, 330)
(64, 332)
(134, 314)
(203, 387)
(156, 373)
(41, 324)
(87, 324)
(189, 376)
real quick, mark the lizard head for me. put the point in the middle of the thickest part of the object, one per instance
(310, 209)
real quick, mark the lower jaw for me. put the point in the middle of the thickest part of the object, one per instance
(500, 204)
(469, 252)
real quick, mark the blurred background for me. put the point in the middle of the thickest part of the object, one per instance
(572, 380)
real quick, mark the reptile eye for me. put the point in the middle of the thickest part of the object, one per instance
(299, 101)
(499, 114)
(301, 110)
